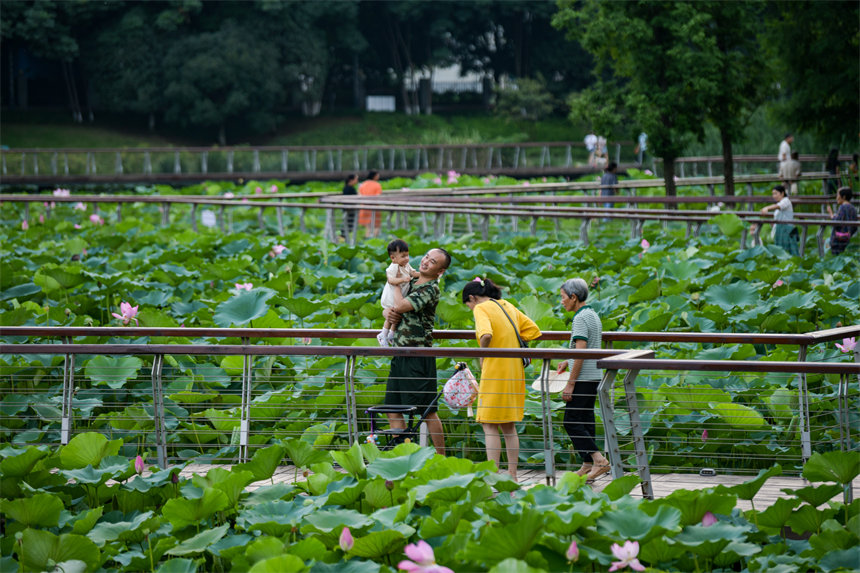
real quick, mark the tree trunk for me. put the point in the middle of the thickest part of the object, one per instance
(669, 180)
(728, 163)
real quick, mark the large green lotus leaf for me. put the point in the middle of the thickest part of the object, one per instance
(778, 514)
(452, 311)
(399, 467)
(344, 492)
(181, 512)
(112, 370)
(43, 546)
(231, 482)
(199, 542)
(808, 518)
(748, 489)
(90, 475)
(730, 224)
(279, 564)
(693, 504)
(845, 559)
(223, 420)
(85, 521)
(621, 486)
(816, 495)
(303, 454)
(708, 541)
(177, 566)
(580, 514)
(796, 301)
(349, 302)
(648, 291)
(351, 460)
(445, 491)
(268, 493)
(542, 285)
(263, 463)
(87, 449)
(511, 565)
(841, 467)
(54, 278)
(20, 291)
(740, 416)
(336, 519)
(302, 307)
(782, 404)
(681, 270)
(633, 523)
(273, 517)
(693, 397)
(735, 551)
(378, 543)
(242, 308)
(41, 509)
(738, 294)
(502, 542)
(133, 530)
(535, 308)
(19, 463)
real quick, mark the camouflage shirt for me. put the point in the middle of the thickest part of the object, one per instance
(416, 326)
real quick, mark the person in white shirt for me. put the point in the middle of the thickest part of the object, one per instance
(783, 234)
(785, 148)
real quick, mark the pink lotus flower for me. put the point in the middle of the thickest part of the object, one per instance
(77, 226)
(423, 559)
(709, 519)
(273, 189)
(626, 556)
(244, 199)
(25, 225)
(258, 191)
(848, 344)
(128, 313)
(704, 435)
(648, 172)
(451, 181)
(277, 250)
(453, 173)
(138, 465)
(645, 244)
(526, 183)
(62, 192)
(228, 195)
(244, 286)
(346, 541)
(485, 180)
(437, 180)
(543, 179)
(42, 218)
(96, 220)
(572, 552)
(80, 206)
(306, 340)
(778, 283)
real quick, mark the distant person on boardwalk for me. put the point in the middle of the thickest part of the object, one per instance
(832, 168)
(641, 148)
(502, 392)
(397, 276)
(349, 214)
(784, 153)
(580, 392)
(412, 380)
(609, 178)
(366, 217)
(840, 235)
(601, 155)
(591, 145)
(789, 172)
(784, 234)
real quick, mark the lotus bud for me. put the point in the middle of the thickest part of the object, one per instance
(572, 552)
(174, 478)
(389, 485)
(138, 465)
(346, 540)
(708, 519)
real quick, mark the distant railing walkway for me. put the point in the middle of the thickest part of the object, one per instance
(66, 166)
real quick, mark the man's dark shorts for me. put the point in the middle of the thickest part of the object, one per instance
(412, 382)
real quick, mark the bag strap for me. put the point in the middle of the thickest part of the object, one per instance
(516, 330)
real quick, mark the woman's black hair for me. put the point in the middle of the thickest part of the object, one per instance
(846, 193)
(832, 160)
(350, 177)
(781, 189)
(481, 287)
(372, 173)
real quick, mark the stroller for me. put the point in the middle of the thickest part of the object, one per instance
(413, 418)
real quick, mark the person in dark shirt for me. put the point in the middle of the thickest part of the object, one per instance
(609, 177)
(840, 235)
(349, 214)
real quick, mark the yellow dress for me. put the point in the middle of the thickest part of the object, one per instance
(502, 393)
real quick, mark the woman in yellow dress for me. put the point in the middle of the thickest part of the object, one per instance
(502, 392)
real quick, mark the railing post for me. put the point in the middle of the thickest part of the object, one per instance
(194, 217)
(284, 161)
(118, 212)
(204, 162)
(158, 410)
(68, 395)
(546, 425)
(53, 164)
(118, 163)
(803, 235)
(230, 161)
(280, 213)
(845, 431)
(485, 227)
(245, 411)
(638, 436)
(583, 231)
(803, 401)
(256, 165)
(147, 164)
(607, 415)
(351, 402)
(177, 165)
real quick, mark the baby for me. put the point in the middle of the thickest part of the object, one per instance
(398, 273)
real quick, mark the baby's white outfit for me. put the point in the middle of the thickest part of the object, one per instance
(406, 270)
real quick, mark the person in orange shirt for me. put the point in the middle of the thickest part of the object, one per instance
(370, 219)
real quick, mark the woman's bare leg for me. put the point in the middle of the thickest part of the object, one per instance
(493, 442)
(512, 447)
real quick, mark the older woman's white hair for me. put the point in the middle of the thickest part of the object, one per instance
(577, 288)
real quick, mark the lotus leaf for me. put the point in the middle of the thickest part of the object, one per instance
(182, 512)
(242, 308)
(841, 467)
(87, 449)
(113, 370)
(41, 509)
(199, 542)
(178, 566)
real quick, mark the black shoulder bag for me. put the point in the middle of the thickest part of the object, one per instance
(526, 361)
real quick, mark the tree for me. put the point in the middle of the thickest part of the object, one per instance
(213, 77)
(527, 99)
(816, 46)
(663, 60)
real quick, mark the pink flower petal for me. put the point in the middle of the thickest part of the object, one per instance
(409, 566)
(420, 552)
(709, 519)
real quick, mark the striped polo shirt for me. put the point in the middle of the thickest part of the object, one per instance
(587, 327)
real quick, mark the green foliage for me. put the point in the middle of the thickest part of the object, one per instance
(527, 99)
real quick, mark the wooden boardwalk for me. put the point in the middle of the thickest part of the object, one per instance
(662, 484)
